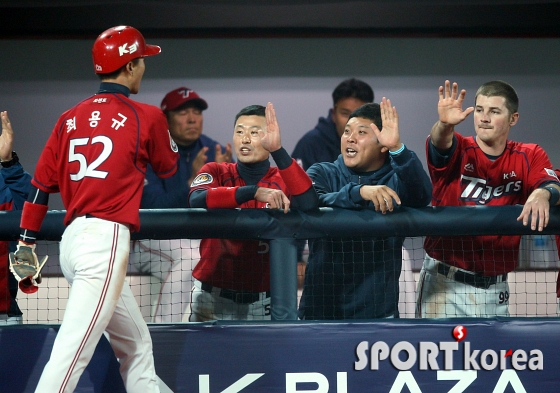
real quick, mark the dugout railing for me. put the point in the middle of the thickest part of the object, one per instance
(282, 231)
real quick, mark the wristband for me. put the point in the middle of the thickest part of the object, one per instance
(394, 153)
(554, 195)
(9, 163)
(32, 216)
(296, 179)
(221, 197)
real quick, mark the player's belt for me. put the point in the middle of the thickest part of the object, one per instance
(472, 279)
(241, 297)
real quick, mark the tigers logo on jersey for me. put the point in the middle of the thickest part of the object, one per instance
(173, 144)
(203, 178)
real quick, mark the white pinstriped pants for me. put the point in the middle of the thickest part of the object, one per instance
(94, 258)
(441, 297)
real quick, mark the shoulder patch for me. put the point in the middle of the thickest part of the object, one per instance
(551, 173)
(173, 144)
(203, 178)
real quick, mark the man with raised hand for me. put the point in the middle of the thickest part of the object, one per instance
(232, 279)
(358, 278)
(466, 276)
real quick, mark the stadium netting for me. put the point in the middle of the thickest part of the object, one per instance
(166, 250)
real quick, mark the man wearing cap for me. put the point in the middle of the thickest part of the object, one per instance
(172, 261)
(96, 157)
(183, 108)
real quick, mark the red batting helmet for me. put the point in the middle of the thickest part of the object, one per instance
(117, 46)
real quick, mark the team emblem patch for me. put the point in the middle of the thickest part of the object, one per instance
(551, 173)
(203, 178)
(173, 144)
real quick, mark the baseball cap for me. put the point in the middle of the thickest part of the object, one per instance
(179, 97)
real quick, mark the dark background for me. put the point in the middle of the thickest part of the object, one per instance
(219, 18)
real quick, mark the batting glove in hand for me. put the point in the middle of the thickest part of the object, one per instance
(26, 268)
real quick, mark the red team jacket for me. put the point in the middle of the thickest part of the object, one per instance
(477, 180)
(241, 265)
(97, 154)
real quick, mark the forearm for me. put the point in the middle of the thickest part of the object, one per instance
(347, 197)
(19, 183)
(554, 190)
(441, 135)
(413, 183)
(304, 196)
(222, 197)
(161, 199)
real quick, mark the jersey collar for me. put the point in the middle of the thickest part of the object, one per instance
(109, 87)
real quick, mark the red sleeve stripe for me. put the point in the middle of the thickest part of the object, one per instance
(296, 179)
(221, 197)
(32, 216)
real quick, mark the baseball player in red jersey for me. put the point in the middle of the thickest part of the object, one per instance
(467, 276)
(96, 157)
(232, 278)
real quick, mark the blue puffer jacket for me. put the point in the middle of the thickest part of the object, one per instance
(358, 278)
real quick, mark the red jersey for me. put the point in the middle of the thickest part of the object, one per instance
(241, 265)
(471, 178)
(97, 154)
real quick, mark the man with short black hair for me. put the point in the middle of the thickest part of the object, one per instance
(322, 143)
(466, 276)
(233, 276)
(358, 278)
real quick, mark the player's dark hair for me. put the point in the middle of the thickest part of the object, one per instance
(500, 89)
(251, 110)
(116, 73)
(369, 111)
(354, 88)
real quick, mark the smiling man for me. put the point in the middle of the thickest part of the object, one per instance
(358, 278)
(232, 279)
(467, 276)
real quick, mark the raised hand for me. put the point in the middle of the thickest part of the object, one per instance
(226, 156)
(450, 104)
(271, 139)
(197, 163)
(6, 138)
(389, 136)
(275, 199)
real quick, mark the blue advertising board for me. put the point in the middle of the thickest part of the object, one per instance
(462, 355)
